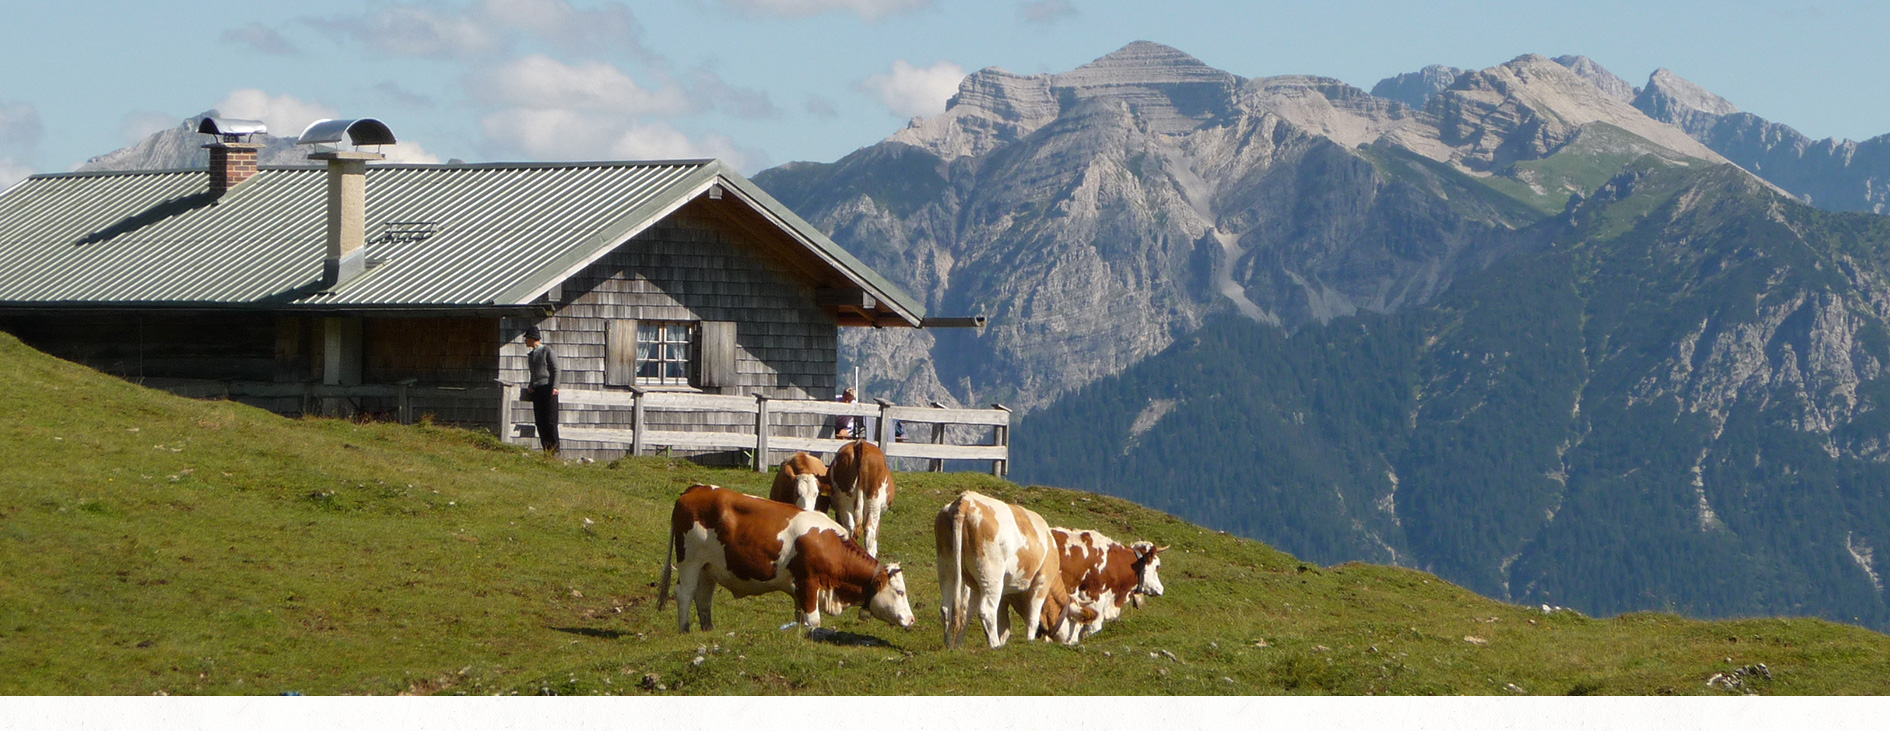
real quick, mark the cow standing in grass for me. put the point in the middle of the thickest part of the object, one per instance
(995, 555)
(1104, 575)
(754, 546)
(802, 482)
(862, 491)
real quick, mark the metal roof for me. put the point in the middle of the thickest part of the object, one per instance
(501, 234)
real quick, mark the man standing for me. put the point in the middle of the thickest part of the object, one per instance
(847, 426)
(543, 389)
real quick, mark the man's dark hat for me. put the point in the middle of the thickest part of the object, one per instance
(531, 333)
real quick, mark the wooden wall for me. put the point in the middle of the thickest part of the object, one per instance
(133, 346)
(690, 267)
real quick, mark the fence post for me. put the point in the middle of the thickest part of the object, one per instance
(406, 401)
(882, 433)
(636, 421)
(938, 437)
(507, 394)
(762, 459)
(1001, 436)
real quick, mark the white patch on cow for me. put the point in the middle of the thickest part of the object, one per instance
(985, 574)
(806, 491)
(705, 565)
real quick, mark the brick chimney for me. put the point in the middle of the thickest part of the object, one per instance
(347, 214)
(231, 163)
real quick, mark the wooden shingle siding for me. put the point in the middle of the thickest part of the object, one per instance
(434, 351)
(691, 267)
(135, 345)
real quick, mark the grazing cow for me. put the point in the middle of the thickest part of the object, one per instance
(754, 546)
(997, 555)
(862, 490)
(1105, 575)
(802, 482)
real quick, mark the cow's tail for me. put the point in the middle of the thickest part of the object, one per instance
(669, 556)
(954, 595)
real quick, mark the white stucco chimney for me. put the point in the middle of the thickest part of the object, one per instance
(347, 214)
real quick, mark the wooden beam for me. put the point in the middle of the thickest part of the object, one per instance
(844, 298)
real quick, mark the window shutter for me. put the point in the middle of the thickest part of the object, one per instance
(620, 353)
(716, 367)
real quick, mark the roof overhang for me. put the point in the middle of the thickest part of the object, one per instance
(867, 300)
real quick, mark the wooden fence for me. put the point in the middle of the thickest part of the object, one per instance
(761, 436)
(318, 398)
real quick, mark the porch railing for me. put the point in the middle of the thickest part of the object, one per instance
(762, 433)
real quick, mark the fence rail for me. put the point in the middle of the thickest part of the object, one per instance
(314, 395)
(761, 435)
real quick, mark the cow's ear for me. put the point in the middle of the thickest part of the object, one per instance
(892, 569)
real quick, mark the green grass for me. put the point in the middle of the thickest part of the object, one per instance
(1595, 156)
(152, 544)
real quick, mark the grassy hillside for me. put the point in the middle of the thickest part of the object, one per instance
(150, 544)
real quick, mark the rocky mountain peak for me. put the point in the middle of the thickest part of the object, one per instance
(1143, 62)
(1682, 103)
(181, 147)
(1529, 107)
(1609, 84)
(1417, 87)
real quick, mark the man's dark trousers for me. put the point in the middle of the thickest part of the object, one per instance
(545, 413)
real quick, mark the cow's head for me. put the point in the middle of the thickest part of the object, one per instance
(1066, 618)
(889, 602)
(1148, 561)
(806, 491)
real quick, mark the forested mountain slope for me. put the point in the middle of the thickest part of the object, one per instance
(1672, 396)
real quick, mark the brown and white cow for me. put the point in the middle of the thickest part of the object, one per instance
(862, 491)
(1104, 575)
(754, 546)
(994, 555)
(802, 482)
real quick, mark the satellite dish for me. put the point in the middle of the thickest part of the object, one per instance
(358, 132)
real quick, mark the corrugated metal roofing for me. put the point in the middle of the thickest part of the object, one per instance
(500, 234)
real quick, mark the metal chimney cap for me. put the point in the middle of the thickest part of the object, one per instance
(229, 128)
(363, 131)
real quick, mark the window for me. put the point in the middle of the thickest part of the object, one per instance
(663, 353)
(670, 353)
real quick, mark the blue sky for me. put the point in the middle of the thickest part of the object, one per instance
(762, 82)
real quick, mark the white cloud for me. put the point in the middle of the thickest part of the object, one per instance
(1045, 12)
(20, 132)
(138, 125)
(284, 115)
(487, 28)
(868, 9)
(540, 82)
(608, 26)
(12, 172)
(409, 30)
(565, 134)
(408, 152)
(260, 38)
(20, 129)
(910, 91)
(821, 107)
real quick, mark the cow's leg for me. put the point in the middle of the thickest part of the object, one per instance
(705, 601)
(806, 604)
(687, 578)
(997, 627)
(873, 509)
(1033, 613)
